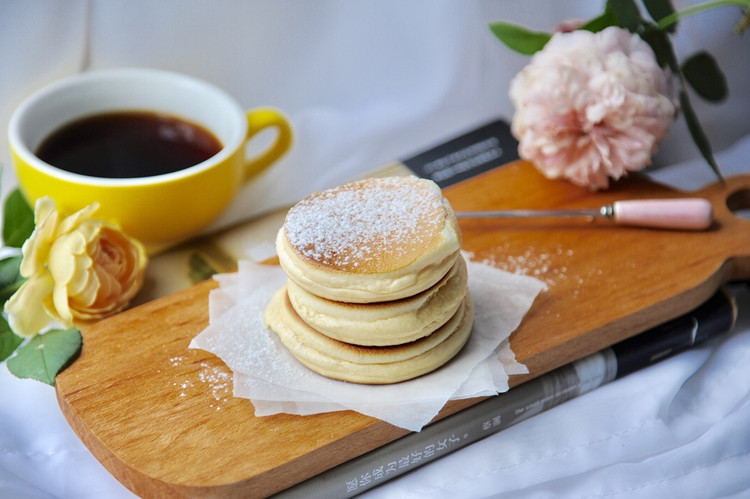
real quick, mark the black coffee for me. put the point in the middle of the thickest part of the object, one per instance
(128, 145)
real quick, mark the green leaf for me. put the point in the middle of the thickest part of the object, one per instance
(18, 220)
(659, 9)
(743, 23)
(627, 13)
(600, 23)
(662, 47)
(703, 74)
(10, 277)
(200, 269)
(697, 133)
(46, 355)
(519, 38)
(659, 42)
(9, 340)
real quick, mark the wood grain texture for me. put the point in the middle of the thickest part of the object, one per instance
(162, 420)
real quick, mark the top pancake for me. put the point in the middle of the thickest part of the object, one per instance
(371, 240)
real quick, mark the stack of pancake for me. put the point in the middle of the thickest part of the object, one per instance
(377, 287)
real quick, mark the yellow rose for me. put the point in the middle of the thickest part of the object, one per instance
(78, 269)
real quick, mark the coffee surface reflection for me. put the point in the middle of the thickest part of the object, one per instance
(128, 144)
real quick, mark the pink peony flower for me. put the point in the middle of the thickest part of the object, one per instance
(591, 106)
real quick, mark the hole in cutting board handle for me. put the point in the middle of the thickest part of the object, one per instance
(739, 202)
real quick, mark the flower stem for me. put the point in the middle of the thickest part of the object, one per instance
(676, 16)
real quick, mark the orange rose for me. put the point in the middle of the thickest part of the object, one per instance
(78, 269)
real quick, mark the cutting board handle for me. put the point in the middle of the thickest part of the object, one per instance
(738, 199)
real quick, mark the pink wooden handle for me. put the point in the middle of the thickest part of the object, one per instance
(679, 213)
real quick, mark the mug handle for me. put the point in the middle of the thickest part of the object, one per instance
(258, 120)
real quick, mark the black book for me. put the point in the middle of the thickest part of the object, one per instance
(712, 319)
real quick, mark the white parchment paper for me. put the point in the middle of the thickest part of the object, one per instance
(267, 374)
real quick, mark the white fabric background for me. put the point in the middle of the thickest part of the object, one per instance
(364, 83)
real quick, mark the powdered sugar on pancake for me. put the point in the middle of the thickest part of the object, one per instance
(373, 225)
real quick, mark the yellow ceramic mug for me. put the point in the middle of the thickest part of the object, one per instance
(158, 210)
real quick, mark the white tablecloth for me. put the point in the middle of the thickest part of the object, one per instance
(364, 83)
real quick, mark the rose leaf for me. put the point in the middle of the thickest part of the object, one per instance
(703, 74)
(10, 277)
(45, 355)
(9, 340)
(200, 269)
(518, 38)
(18, 219)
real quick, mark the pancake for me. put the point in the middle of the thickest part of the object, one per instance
(368, 365)
(374, 240)
(384, 323)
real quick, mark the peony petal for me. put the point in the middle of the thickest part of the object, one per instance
(592, 106)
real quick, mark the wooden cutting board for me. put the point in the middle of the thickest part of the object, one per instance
(162, 420)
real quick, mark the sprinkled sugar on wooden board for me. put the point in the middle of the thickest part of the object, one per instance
(161, 417)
